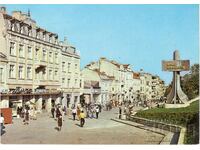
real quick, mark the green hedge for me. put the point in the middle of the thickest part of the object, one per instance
(188, 117)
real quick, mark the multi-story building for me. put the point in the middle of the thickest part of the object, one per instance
(152, 87)
(118, 77)
(34, 64)
(97, 86)
(70, 74)
(158, 88)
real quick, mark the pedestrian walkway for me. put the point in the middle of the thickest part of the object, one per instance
(95, 131)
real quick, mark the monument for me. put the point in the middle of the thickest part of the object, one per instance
(176, 97)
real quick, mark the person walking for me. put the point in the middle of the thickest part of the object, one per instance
(82, 118)
(52, 111)
(2, 124)
(97, 112)
(74, 113)
(120, 112)
(65, 110)
(58, 112)
(60, 122)
(78, 112)
(26, 118)
(100, 107)
(87, 112)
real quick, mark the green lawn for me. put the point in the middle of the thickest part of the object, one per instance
(187, 117)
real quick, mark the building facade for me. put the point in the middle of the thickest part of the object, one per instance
(32, 64)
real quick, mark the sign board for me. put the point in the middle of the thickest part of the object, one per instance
(176, 65)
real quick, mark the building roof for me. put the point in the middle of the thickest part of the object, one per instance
(136, 75)
(103, 75)
(9, 17)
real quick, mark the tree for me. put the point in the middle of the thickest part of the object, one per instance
(190, 82)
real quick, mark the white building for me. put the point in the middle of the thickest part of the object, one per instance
(34, 66)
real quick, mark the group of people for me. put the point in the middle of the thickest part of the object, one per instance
(78, 113)
(26, 113)
(126, 110)
(91, 110)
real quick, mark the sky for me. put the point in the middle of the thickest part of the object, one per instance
(140, 35)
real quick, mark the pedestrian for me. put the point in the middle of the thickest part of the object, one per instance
(97, 112)
(82, 118)
(59, 122)
(87, 112)
(34, 113)
(92, 112)
(26, 117)
(120, 112)
(2, 124)
(100, 108)
(53, 111)
(31, 113)
(18, 112)
(78, 112)
(58, 112)
(22, 112)
(65, 110)
(74, 113)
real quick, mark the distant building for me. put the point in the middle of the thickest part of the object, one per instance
(152, 87)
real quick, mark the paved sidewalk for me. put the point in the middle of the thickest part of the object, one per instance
(96, 131)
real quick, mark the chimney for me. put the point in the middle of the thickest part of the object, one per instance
(65, 40)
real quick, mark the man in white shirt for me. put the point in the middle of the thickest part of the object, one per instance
(2, 123)
(97, 112)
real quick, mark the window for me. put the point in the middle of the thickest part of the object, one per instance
(21, 50)
(69, 67)
(68, 82)
(1, 74)
(29, 73)
(22, 30)
(50, 39)
(75, 82)
(37, 54)
(38, 35)
(11, 71)
(20, 72)
(63, 66)
(63, 80)
(76, 67)
(29, 32)
(50, 75)
(56, 57)
(44, 55)
(50, 57)
(44, 37)
(56, 75)
(44, 74)
(80, 84)
(12, 48)
(29, 52)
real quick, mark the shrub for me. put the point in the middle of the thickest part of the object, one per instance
(187, 117)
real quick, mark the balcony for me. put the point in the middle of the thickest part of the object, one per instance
(40, 64)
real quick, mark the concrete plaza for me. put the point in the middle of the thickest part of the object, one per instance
(96, 131)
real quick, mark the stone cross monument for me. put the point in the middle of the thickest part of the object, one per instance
(176, 95)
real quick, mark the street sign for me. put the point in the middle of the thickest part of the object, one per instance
(176, 65)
